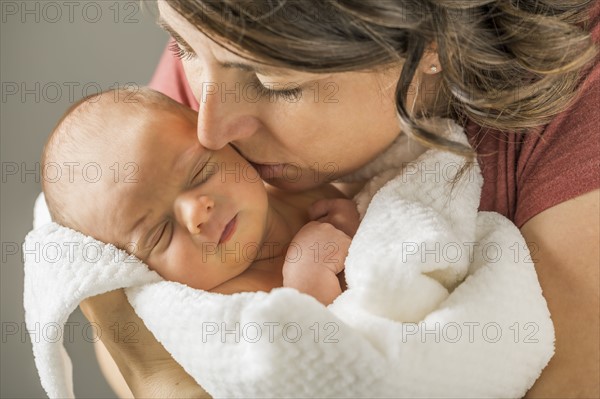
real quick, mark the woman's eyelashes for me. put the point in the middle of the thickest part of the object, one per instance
(180, 52)
(291, 92)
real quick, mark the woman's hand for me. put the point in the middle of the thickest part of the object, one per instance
(146, 366)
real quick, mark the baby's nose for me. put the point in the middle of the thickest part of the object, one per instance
(195, 211)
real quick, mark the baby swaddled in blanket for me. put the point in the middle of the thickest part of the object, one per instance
(198, 217)
(436, 304)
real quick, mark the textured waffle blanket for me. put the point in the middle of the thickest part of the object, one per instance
(442, 301)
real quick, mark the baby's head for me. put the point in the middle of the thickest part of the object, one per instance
(131, 172)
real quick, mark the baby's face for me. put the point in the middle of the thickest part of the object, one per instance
(194, 216)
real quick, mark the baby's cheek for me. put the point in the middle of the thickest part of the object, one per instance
(193, 266)
(170, 264)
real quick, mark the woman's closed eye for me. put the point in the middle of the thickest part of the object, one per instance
(291, 92)
(181, 51)
(288, 92)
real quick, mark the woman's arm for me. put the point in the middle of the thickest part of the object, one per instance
(146, 366)
(564, 245)
(111, 372)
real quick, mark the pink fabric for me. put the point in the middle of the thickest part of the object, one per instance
(523, 174)
(169, 78)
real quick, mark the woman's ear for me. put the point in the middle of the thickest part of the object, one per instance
(430, 62)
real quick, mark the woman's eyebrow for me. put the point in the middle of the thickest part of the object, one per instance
(261, 70)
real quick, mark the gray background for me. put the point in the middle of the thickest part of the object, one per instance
(121, 44)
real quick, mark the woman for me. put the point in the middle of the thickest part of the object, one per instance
(325, 87)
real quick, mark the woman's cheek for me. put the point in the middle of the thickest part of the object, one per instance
(193, 72)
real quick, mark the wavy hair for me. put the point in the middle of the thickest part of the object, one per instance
(507, 64)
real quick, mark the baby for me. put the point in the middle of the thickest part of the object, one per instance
(141, 180)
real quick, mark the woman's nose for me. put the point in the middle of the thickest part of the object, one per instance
(224, 114)
(193, 211)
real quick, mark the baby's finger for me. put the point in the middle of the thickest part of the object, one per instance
(332, 219)
(341, 222)
(336, 257)
(336, 267)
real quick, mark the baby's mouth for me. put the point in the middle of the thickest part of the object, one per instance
(228, 230)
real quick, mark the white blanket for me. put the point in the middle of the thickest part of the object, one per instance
(442, 301)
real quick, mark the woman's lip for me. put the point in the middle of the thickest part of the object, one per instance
(228, 230)
(268, 170)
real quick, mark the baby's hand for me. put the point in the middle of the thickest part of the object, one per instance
(314, 258)
(340, 212)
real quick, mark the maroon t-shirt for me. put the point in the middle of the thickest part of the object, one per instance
(524, 174)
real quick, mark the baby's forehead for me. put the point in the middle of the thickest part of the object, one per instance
(139, 143)
(125, 129)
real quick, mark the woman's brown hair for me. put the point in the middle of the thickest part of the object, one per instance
(507, 64)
